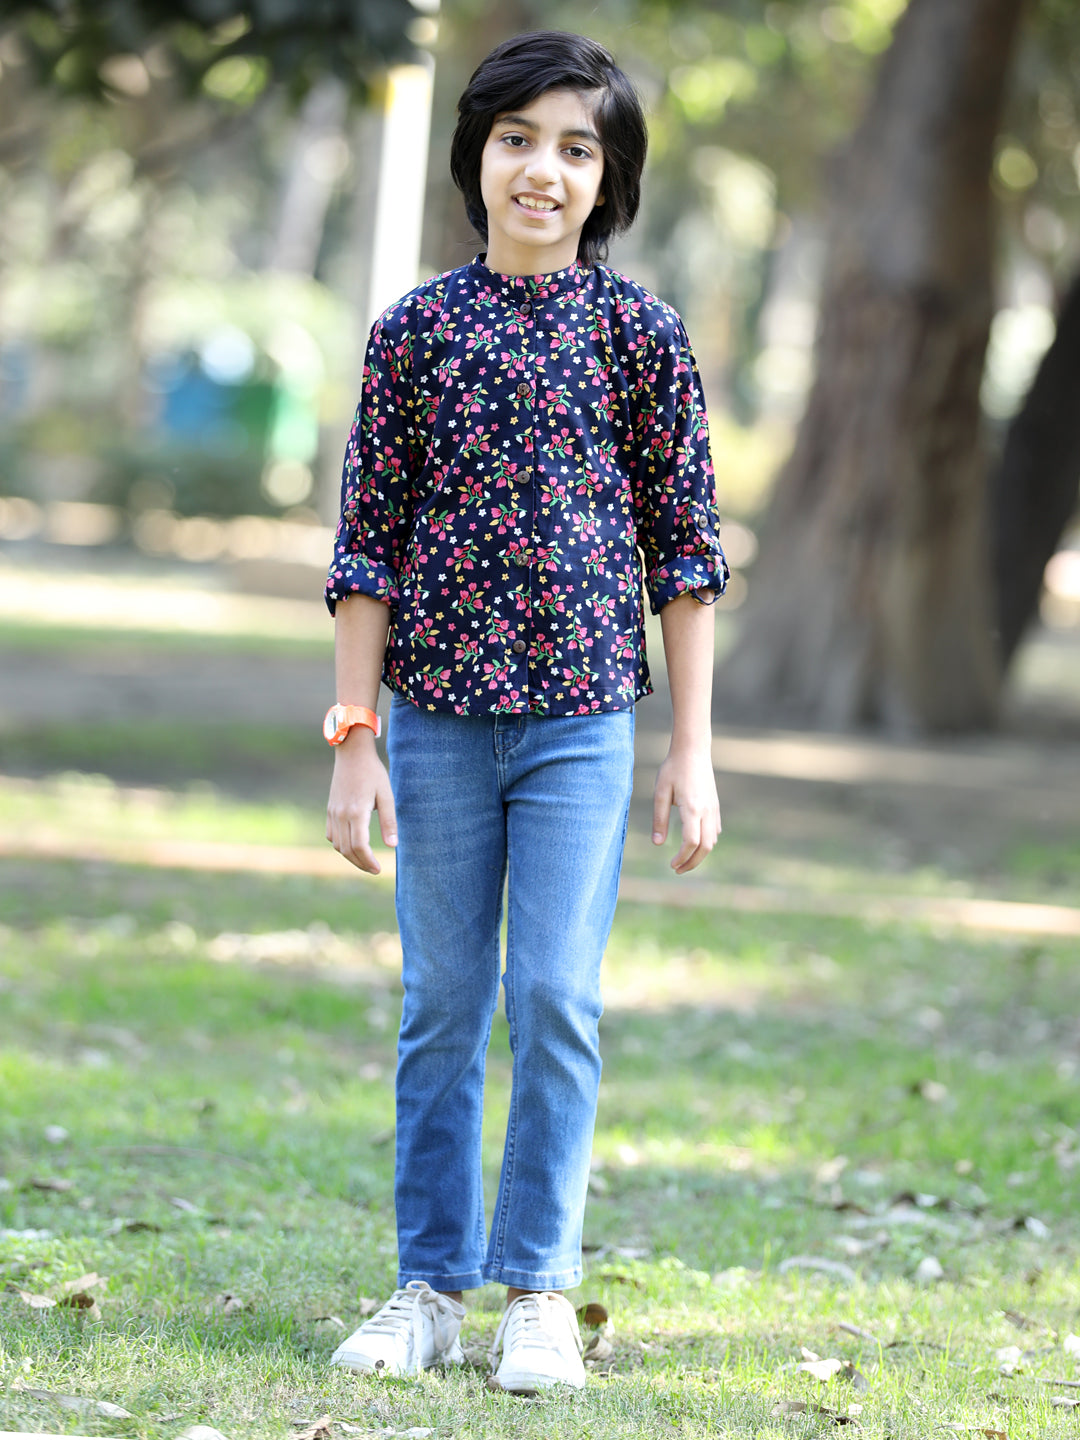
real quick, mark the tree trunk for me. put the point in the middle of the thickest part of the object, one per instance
(870, 604)
(1033, 490)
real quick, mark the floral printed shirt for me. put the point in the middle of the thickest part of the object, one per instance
(518, 440)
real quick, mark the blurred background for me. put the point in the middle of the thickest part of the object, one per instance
(866, 212)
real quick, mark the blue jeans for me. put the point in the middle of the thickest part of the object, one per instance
(540, 803)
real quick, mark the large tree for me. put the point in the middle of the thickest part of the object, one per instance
(871, 601)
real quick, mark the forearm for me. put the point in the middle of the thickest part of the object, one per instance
(686, 777)
(688, 630)
(361, 625)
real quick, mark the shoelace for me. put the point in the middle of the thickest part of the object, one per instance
(538, 1316)
(406, 1310)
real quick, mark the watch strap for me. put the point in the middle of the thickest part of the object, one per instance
(343, 718)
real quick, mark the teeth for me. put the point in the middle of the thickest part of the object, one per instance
(531, 204)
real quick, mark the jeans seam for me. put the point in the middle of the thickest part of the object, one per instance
(499, 1222)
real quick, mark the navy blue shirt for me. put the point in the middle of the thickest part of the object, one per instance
(526, 450)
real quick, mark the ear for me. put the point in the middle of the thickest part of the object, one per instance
(601, 198)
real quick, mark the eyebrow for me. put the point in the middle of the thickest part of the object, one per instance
(525, 123)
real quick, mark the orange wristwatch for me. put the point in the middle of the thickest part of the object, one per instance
(340, 719)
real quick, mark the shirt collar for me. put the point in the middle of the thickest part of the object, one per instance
(516, 288)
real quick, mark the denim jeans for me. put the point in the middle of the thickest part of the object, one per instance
(540, 804)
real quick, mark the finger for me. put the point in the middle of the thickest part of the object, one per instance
(661, 814)
(387, 816)
(359, 852)
(696, 842)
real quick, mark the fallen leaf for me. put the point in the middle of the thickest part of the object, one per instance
(853, 1247)
(229, 1304)
(817, 1262)
(598, 1349)
(55, 1134)
(321, 1429)
(179, 1203)
(82, 1301)
(932, 1090)
(52, 1182)
(130, 1227)
(803, 1407)
(37, 1302)
(1032, 1224)
(1064, 1402)
(1009, 1359)
(851, 1329)
(593, 1314)
(821, 1369)
(79, 1403)
(1071, 1344)
(929, 1269)
(84, 1282)
(202, 1432)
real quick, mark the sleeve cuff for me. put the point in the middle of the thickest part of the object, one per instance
(688, 573)
(361, 577)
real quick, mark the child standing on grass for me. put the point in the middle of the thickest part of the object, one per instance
(527, 424)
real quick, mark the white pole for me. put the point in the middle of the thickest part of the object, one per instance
(399, 202)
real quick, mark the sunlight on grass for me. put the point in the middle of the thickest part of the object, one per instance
(220, 1070)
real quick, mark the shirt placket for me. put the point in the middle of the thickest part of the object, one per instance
(524, 556)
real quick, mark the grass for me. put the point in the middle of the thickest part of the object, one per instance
(196, 1102)
(230, 1100)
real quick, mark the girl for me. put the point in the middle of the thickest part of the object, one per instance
(527, 424)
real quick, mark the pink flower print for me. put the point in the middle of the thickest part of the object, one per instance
(622, 647)
(424, 632)
(471, 400)
(471, 598)
(552, 602)
(434, 679)
(464, 556)
(504, 517)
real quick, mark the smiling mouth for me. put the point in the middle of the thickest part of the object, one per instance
(536, 205)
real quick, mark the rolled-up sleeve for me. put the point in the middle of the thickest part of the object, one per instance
(378, 480)
(675, 492)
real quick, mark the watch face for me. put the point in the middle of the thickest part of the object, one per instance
(330, 724)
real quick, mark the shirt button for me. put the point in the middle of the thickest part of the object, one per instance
(350, 516)
(525, 474)
(519, 647)
(523, 558)
(526, 310)
(524, 391)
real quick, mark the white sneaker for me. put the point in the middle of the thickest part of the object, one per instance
(541, 1345)
(417, 1327)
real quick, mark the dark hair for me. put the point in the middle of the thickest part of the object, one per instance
(515, 74)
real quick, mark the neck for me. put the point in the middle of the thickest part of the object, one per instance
(509, 260)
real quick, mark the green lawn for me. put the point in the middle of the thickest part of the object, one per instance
(218, 1055)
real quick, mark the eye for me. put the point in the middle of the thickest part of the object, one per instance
(578, 152)
(516, 141)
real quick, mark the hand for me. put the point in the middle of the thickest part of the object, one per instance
(686, 779)
(359, 786)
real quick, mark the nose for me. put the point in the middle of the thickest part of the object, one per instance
(540, 168)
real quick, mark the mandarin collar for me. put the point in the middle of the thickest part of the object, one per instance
(517, 288)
